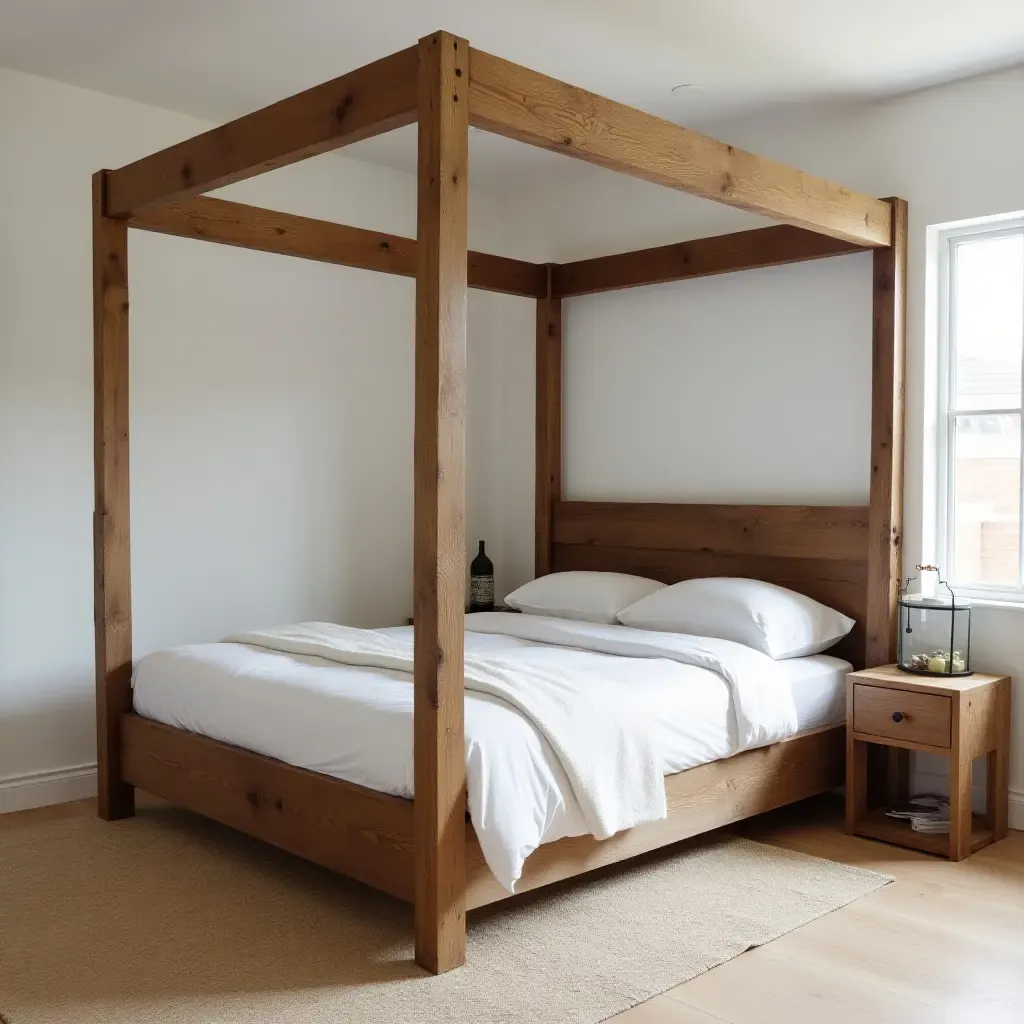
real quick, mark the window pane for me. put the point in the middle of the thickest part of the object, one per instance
(989, 322)
(986, 500)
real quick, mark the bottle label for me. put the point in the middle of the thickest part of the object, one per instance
(481, 591)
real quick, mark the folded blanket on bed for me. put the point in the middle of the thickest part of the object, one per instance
(606, 750)
(762, 701)
(605, 747)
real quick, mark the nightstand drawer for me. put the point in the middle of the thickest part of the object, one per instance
(902, 715)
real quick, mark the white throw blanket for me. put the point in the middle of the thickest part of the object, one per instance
(604, 747)
(606, 752)
(762, 700)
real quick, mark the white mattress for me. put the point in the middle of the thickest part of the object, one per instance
(356, 724)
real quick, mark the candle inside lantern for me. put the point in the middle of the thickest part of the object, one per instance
(934, 628)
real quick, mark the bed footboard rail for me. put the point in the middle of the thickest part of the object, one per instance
(349, 829)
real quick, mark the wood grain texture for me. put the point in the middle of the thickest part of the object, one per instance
(700, 799)
(887, 456)
(877, 825)
(773, 246)
(985, 717)
(979, 722)
(876, 766)
(963, 718)
(370, 836)
(355, 831)
(925, 718)
(820, 552)
(897, 776)
(491, 273)
(366, 102)
(981, 717)
(111, 516)
(439, 561)
(250, 227)
(548, 437)
(998, 766)
(521, 104)
(960, 783)
(895, 679)
(781, 531)
(856, 797)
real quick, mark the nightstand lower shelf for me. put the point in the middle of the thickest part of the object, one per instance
(875, 825)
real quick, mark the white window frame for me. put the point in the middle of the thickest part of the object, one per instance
(948, 238)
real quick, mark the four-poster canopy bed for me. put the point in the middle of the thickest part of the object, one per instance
(424, 850)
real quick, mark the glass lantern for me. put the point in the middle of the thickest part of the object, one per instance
(935, 632)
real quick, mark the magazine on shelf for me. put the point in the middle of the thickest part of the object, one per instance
(926, 813)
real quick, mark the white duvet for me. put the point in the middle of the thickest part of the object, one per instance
(605, 749)
(544, 699)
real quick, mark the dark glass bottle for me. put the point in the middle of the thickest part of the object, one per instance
(481, 583)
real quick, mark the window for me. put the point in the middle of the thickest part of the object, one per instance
(981, 369)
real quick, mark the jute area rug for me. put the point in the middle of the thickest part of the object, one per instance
(169, 919)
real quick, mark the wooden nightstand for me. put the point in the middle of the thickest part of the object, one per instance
(888, 714)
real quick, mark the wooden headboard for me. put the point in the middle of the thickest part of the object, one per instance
(820, 551)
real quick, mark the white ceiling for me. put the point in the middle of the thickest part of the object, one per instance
(218, 59)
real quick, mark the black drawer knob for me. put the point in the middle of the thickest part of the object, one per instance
(897, 717)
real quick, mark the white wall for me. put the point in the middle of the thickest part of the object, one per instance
(655, 408)
(271, 419)
(953, 152)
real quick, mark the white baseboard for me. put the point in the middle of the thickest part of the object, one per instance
(40, 789)
(1017, 809)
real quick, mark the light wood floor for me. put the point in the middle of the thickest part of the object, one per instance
(944, 944)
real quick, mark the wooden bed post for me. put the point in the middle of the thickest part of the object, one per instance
(548, 486)
(439, 560)
(885, 514)
(112, 562)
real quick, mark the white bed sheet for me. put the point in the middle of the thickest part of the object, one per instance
(356, 724)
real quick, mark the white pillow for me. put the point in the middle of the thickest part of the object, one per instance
(771, 619)
(585, 596)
